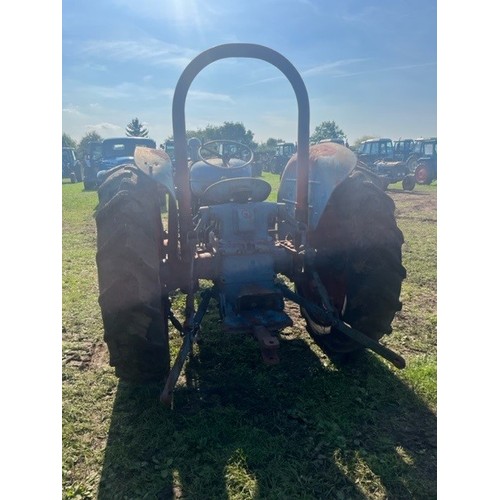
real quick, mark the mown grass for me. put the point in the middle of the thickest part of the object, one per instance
(239, 429)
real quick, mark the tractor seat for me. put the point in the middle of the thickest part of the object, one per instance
(236, 190)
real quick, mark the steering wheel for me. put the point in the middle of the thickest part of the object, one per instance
(241, 152)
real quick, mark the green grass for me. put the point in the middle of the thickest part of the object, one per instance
(303, 429)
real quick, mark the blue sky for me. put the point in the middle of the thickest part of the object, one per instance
(368, 65)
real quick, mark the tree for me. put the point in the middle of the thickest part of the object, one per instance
(68, 142)
(327, 130)
(272, 142)
(84, 143)
(230, 131)
(136, 129)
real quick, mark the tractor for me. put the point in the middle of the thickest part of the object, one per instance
(71, 167)
(379, 157)
(426, 161)
(283, 153)
(103, 156)
(330, 244)
(235, 149)
(403, 148)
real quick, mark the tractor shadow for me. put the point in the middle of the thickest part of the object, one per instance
(299, 429)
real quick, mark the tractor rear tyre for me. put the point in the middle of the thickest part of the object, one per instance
(359, 263)
(423, 174)
(78, 172)
(129, 254)
(89, 182)
(408, 183)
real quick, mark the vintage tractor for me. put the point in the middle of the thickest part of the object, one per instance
(103, 156)
(71, 167)
(332, 235)
(379, 156)
(426, 169)
(282, 154)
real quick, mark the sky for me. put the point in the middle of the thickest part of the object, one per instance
(370, 66)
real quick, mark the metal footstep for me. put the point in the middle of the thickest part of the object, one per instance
(269, 345)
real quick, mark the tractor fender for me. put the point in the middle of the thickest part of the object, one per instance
(329, 164)
(157, 163)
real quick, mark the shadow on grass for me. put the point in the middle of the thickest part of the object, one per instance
(300, 429)
(410, 193)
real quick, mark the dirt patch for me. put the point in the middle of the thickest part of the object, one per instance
(100, 356)
(415, 205)
(86, 355)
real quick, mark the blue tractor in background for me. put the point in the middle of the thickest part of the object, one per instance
(71, 167)
(282, 154)
(380, 157)
(105, 155)
(330, 243)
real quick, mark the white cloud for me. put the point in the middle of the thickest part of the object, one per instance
(124, 90)
(72, 110)
(186, 13)
(103, 128)
(364, 16)
(199, 95)
(334, 70)
(382, 70)
(209, 96)
(89, 66)
(329, 68)
(321, 69)
(150, 50)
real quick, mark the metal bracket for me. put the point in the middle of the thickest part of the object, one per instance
(189, 338)
(269, 345)
(359, 337)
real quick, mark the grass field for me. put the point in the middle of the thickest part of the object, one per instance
(303, 429)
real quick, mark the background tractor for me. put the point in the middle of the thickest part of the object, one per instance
(330, 244)
(105, 155)
(282, 154)
(380, 157)
(426, 161)
(403, 148)
(71, 167)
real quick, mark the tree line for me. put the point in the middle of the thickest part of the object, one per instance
(234, 131)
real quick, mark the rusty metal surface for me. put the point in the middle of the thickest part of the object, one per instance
(269, 345)
(329, 165)
(157, 163)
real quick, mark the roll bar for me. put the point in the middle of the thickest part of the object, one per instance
(207, 57)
